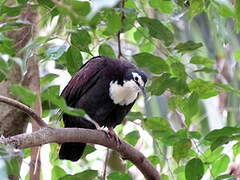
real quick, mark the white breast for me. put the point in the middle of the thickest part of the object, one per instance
(125, 94)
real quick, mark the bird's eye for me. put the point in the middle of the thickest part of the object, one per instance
(136, 78)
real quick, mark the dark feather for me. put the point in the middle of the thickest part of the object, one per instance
(89, 90)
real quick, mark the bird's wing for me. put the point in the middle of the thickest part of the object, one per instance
(86, 77)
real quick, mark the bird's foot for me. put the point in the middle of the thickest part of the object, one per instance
(111, 134)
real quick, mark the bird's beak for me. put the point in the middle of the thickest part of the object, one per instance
(143, 90)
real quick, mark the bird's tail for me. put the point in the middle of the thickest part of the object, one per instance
(74, 151)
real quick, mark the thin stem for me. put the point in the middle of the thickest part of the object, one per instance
(105, 165)
(120, 31)
(23, 108)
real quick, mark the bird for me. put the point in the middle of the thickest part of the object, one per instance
(106, 89)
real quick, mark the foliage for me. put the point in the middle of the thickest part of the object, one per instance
(190, 49)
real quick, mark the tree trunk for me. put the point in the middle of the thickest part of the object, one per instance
(14, 121)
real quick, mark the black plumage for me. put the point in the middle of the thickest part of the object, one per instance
(89, 90)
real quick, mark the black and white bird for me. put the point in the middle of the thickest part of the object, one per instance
(106, 89)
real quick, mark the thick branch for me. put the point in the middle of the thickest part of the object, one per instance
(24, 108)
(61, 135)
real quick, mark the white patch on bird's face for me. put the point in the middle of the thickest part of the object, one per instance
(124, 94)
(138, 78)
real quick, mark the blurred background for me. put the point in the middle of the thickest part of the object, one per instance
(190, 50)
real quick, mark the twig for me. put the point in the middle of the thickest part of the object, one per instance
(120, 31)
(105, 165)
(61, 135)
(25, 109)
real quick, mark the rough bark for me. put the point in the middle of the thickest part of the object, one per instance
(31, 80)
(14, 121)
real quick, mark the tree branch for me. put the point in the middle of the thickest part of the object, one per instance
(61, 135)
(24, 108)
(120, 31)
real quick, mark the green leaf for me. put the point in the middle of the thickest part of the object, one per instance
(181, 149)
(178, 86)
(25, 94)
(165, 6)
(157, 29)
(164, 177)
(210, 156)
(194, 169)
(178, 70)
(154, 63)
(50, 91)
(226, 131)
(57, 173)
(13, 166)
(195, 134)
(180, 172)
(26, 152)
(86, 175)
(205, 89)
(50, 5)
(6, 45)
(236, 149)
(130, 4)
(187, 46)
(55, 52)
(81, 8)
(73, 59)
(106, 50)
(237, 19)
(98, 5)
(129, 20)
(154, 159)
(51, 95)
(219, 141)
(190, 107)
(165, 81)
(11, 10)
(88, 149)
(10, 25)
(199, 60)
(159, 84)
(113, 21)
(225, 177)
(81, 39)
(3, 70)
(226, 9)
(227, 88)
(206, 70)
(48, 78)
(22, 1)
(220, 165)
(132, 116)
(237, 55)
(3, 64)
(73, 111)
(118, 176)
(139, 34)
(157, 124)
(147, 46)
(196, 7)
(132, 137)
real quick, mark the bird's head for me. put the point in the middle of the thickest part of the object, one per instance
(137, 78)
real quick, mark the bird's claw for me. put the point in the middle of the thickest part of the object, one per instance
(111, 134)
